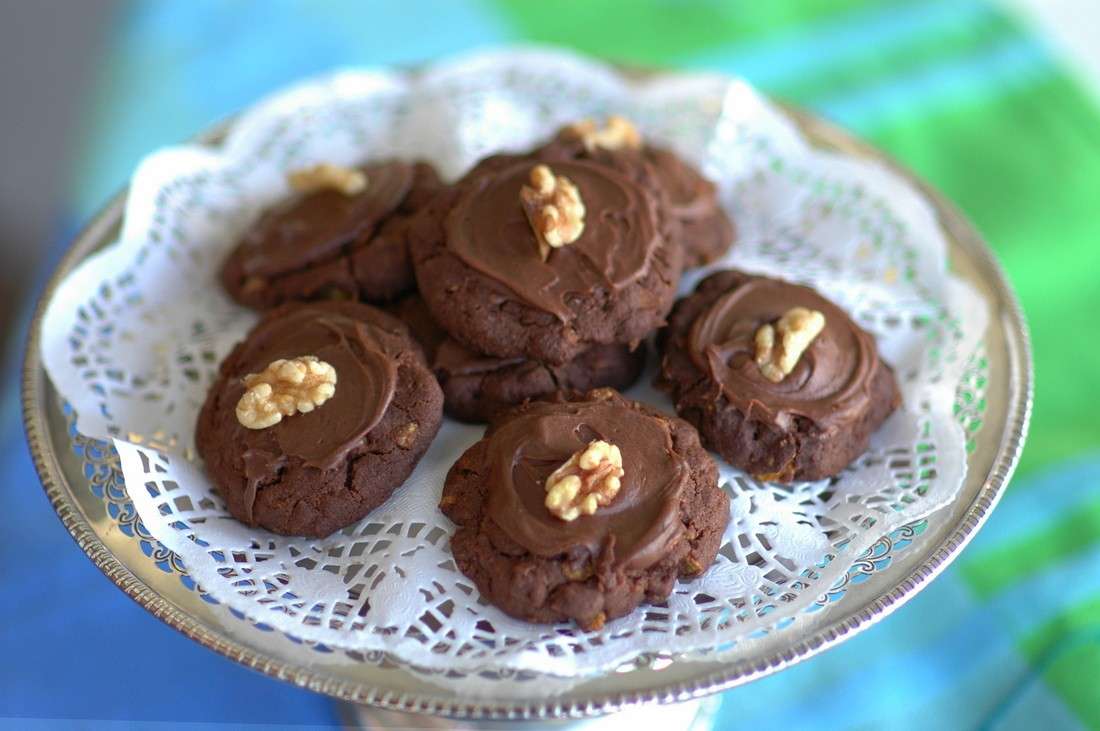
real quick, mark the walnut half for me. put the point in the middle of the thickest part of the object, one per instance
(589, 479)
(554, 209)
(779, 346)
(617, 133)
(326, 176)
(285, 388)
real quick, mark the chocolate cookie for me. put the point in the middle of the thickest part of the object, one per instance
(329, 243)
(476, 386)
(345, 451)
(480, 267)
(701, 227)
(412, 311)
(655, 513)
(778, 379)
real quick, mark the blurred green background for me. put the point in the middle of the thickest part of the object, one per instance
(993, 104)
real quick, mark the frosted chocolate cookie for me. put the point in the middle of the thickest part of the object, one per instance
(525, 260)
(317, 416)
(583, 508)
(778, 379)
(343, 234)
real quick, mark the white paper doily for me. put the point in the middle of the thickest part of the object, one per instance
(132, 339)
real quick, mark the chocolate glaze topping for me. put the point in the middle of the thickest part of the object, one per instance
(832, 376)
(363, 356)
(315, 227)
(641, 523)
(489, 231)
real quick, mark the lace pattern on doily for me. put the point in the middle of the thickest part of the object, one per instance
(105, 480)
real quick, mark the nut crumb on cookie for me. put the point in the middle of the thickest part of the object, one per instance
(326, 176)
(285, 388)
(554, 208)
(588, 480)
(406, 435)
(796, 330)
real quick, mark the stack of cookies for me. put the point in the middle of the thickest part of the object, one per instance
(545, 271)
(328, 404)
(522, 295)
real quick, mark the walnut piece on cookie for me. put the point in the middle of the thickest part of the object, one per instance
(779, 346)
(617, 133)
(327, 176)
(554, 208)
(284, 388)
(589, 479)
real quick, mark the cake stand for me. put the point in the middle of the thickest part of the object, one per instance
(83, 482)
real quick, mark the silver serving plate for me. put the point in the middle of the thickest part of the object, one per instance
(94, 510)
